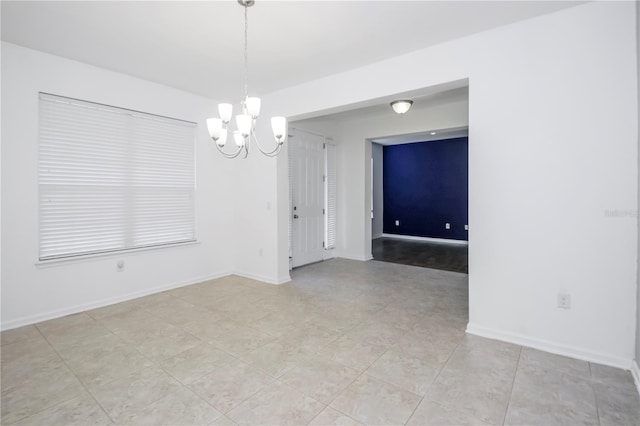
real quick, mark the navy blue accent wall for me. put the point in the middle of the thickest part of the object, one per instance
(425, 186)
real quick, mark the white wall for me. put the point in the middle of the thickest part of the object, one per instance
(637, 353)
(353, 134)
(553, 148)
(261, 195)
(378, 191)
(1, 227)
(30, 292)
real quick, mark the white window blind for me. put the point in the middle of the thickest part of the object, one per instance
(112, 179)
(330, 195)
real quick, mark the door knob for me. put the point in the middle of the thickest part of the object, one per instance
(295, 216)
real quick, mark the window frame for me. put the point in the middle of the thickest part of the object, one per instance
(191, 192)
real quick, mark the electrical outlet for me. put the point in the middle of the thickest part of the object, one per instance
(447, 226)
(120, 266)
(564, 301)
(466, 227)
(397, 223)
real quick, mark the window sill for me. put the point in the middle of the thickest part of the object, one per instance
(110, 255)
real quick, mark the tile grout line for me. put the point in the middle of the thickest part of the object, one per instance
(352, 382)
(74, 375)
(235, 358)
(595, 396)
(414, 410)
(294, 389)
(513, 382)
(442, 367)
(187, 387)
(152, 361)
(275, 379)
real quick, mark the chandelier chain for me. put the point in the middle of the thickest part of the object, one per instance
(246, 54)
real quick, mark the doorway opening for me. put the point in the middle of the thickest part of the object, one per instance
(419, 199)
(357, 129)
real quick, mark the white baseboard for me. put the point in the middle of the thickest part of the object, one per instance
(635, 372)
(355, 257)
(427, 239)
(33, 319)
(284, 280)
(263, 278)
(552, 347)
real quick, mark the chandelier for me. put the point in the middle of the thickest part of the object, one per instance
(219, 128)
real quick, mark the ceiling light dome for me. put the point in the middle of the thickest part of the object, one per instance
(401, 106)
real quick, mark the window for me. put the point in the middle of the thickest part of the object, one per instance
(330, 194)
(112, 179)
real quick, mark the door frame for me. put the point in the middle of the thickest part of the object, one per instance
(328, 252)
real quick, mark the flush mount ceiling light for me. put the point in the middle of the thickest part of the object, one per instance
(246, 121)
(401, 106)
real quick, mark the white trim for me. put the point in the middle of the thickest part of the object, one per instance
(635, 372)
(283, 280)
(355, 257)
(263, 278)
(426, 239)
(32, 319)
(375, 237)
(110, 254)
(297, 129)
(552, 347)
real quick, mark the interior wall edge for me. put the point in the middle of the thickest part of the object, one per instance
(635, 372)
(637, 333)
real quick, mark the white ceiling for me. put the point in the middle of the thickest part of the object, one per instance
(197, 46)
(379, 108)
(382, 111)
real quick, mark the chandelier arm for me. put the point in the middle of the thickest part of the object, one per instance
(272, 153)
(230, 155)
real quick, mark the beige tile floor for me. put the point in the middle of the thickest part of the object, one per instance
(344, 343)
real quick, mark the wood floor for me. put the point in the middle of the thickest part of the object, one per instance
(446, 257)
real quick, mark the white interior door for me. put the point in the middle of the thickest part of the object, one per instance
(307, 197)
